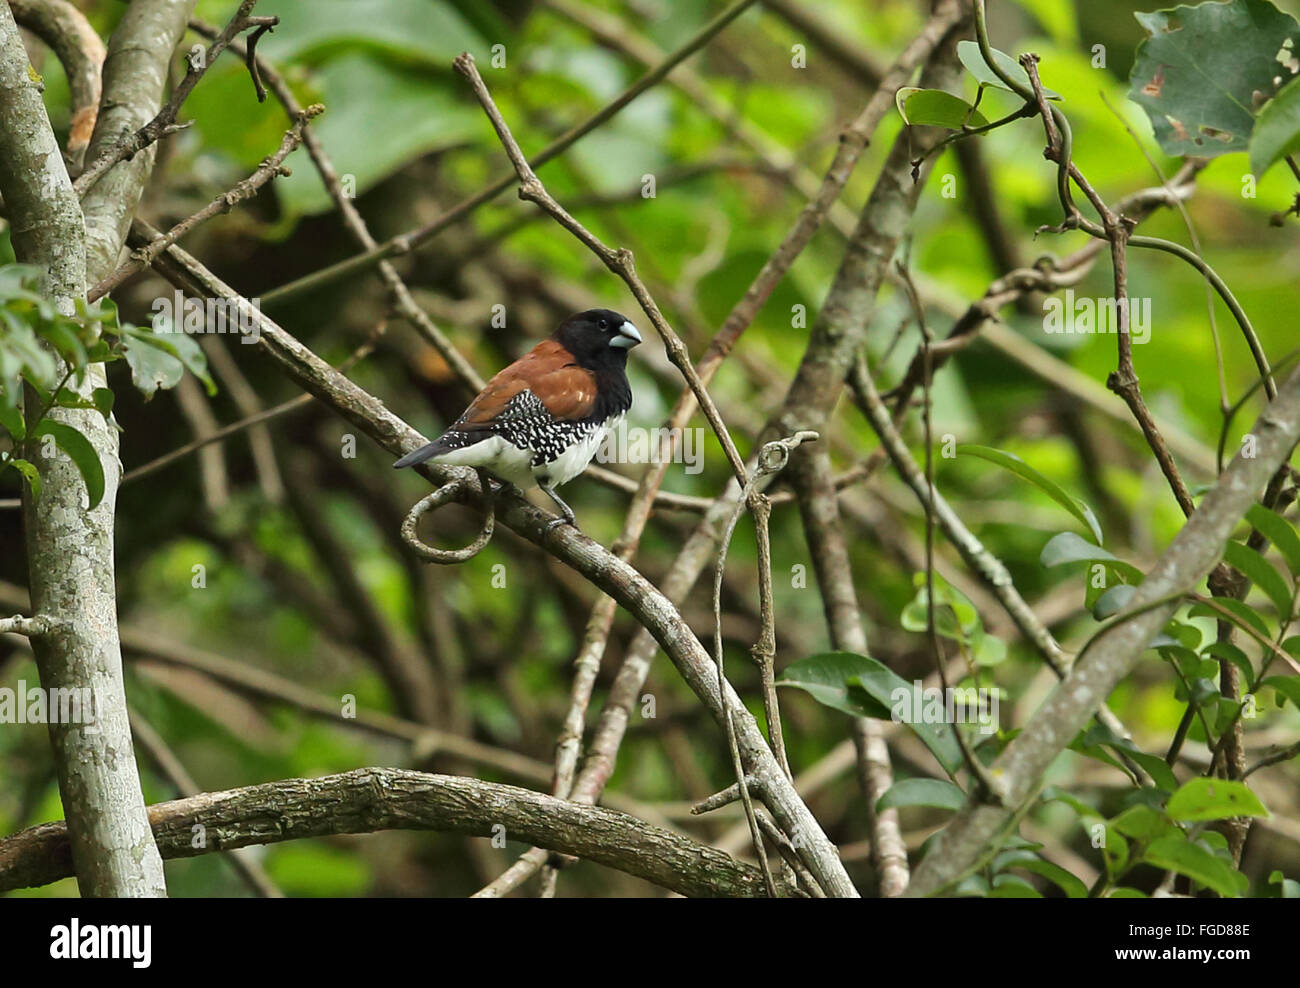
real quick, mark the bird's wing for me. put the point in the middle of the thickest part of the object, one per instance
(565, 390)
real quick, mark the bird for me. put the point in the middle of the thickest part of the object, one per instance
(541, 419)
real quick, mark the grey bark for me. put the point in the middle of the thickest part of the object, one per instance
(135, 74)
(70, 549)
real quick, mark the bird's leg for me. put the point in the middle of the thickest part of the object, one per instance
(491, 487)
(569, 516)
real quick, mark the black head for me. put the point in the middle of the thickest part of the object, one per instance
(598, 338)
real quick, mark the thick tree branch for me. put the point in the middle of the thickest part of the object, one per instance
(135, 74)
(31, 627)
(367, 800)
(70, 547)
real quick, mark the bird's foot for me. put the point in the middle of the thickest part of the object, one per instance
(567, 515)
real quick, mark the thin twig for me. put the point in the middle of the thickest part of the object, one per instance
(618, 261)
(771, 460)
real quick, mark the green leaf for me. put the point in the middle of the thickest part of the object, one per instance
(988, 650)
(153, 366)
(1142, 823)
(13, 422)
(1213, 799)
(1277, 129)
(1112, 601)
(864, 687)
(1287, 888)
(1244, 614)
(1228, 652)
(923, 792)
(1280, 532)
(1198, 73)
(1091, 742)
(28, 470)
(1287, 686)
(826, 678)
(1123, 892)
(1058, 876)
(888, 688)
(1114, 851)
(1053, 793)
(971, 57)
(1009, 461)
(1067, 547)
(955, 616)
(936, 108)
(103, 399)
(1177, 853)
(62, 335)
(1262, 574)
(1010, 887)
(82, 453)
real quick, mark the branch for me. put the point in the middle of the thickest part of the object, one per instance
(69, 546)
(32, 627)
(135, 72)
(368, 800)
(772, 459)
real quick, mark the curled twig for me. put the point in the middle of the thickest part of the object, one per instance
(448, 492)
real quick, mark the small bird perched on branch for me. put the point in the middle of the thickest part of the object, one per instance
(542, 419)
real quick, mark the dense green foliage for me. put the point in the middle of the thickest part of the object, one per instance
(292, 562)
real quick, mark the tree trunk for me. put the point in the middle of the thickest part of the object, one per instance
(70, 549)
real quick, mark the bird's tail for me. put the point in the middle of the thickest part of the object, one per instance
(420, 455)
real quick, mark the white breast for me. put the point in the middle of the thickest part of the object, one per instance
(577, 457)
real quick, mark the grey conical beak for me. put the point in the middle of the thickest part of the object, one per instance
(628, 337)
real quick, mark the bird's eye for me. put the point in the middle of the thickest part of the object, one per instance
(604, 324)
